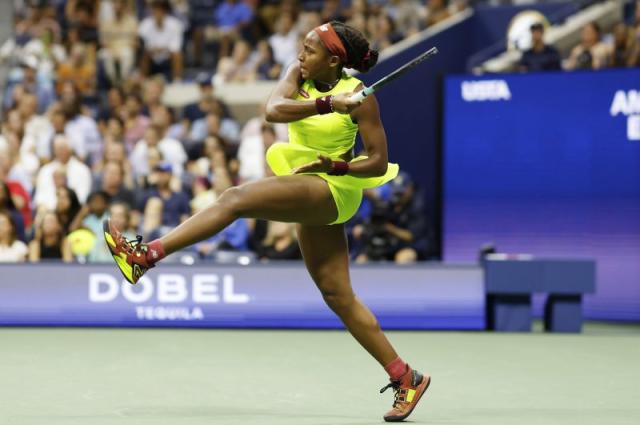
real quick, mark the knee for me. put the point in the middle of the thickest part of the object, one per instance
(233, 202)
(339, 302)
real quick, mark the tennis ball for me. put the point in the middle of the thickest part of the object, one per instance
(81, 241)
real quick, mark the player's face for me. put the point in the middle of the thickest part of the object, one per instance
(314, 58)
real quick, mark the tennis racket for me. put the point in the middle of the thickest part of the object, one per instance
(359, 96)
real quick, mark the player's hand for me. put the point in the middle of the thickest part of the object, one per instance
(343, 104)
(323, 164)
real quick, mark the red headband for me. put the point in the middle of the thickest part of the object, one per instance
(331, 41)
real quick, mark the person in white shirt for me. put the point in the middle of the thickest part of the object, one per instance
(119, 39)
(285, 41)
(12, 250)
(162, 37)
(171, 150)
(78, 175)
(251, 154)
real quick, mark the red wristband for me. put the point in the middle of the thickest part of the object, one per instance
(324, 105)
(339, 168)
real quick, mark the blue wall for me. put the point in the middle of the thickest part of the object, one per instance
(548, 164)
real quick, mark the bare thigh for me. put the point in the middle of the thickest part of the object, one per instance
(302, 199)
(326, 256)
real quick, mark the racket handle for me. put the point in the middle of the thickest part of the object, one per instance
(359, 96)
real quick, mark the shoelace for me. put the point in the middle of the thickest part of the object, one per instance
(396, 391)
(139, 247)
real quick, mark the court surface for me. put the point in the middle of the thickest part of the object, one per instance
(189, 377)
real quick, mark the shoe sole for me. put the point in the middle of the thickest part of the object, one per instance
(107, 231)
(402, 418)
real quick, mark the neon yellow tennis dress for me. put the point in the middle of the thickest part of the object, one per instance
(331, 135)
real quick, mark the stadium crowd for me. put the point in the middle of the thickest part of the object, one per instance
(597, 50)
(85, 133)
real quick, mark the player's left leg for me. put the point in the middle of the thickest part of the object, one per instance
(326, 256)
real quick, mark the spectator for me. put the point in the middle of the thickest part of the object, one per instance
(266, 67)
(280, 242)
(152, 97)
(30, 83)
(20, 197)
(79, 70)
(12, 250)
(214, 125)
(591, 53)
(240, 67)
(164, 208)
(162, 37)
(67, 207)
(38, 20)
(119, 40)
(113, 108)
(116, 152)
(77, 173)
(135, 122)
(36, 127)
(120, 215)
(8, 206)
(18, 146)
(163, 118)
(113, 184)
(235, 237)
(407, 15)
(91, 217)
(285, 41)
(541, 56)
(203, 26)
(232, 18)
(81, 130)
(48, 51)
(331, 11)
(208, 101)
(50, 242)
(251, 154)
(437, 11)
(397, 229)
(203, 194)
(171, 150)
(383, 32)
(623, 50)
(82, 19)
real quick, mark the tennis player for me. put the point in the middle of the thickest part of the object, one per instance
(317, 184)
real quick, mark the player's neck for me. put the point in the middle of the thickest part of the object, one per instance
(326, 83)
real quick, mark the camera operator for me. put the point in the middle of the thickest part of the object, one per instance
(397, 229)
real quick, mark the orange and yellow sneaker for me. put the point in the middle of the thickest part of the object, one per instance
(130, 256)
(408, 391)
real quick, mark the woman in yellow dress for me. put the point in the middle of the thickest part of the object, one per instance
(317, 184)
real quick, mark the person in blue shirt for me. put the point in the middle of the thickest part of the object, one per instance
(232, 18)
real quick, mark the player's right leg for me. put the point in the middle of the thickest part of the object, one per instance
(296, 198)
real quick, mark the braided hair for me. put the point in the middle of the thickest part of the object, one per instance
(360, 56)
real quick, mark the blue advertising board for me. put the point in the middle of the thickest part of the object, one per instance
(548, 164)
(260, 296)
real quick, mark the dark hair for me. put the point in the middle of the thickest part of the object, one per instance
(161, 4)
(359, 54)
(9, 201)
(99, 194)
(73, 208)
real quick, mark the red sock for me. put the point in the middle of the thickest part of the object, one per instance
(155, 252)
(397, 369)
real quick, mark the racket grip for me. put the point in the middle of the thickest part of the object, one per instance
(359, 96)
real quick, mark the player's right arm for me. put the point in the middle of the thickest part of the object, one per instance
(281, 106)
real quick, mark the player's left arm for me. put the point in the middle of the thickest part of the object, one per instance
(374, 138)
